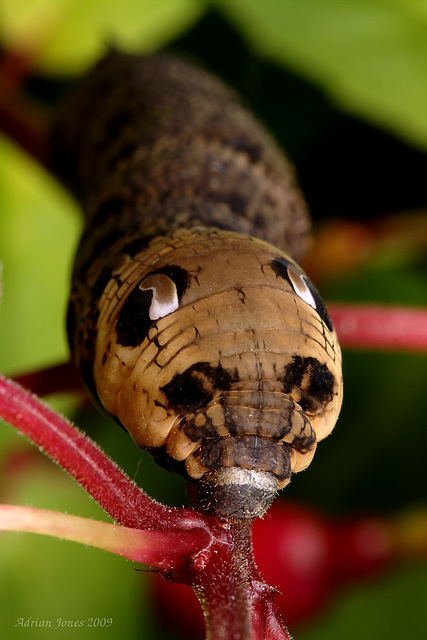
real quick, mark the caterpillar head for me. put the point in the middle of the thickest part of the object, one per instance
(223, 363)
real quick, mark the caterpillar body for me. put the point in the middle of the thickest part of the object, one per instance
(189, 318)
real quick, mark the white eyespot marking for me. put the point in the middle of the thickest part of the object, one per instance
(165, 296)
(301, 288)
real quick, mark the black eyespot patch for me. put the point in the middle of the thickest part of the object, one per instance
(302, 286)
(134, 321)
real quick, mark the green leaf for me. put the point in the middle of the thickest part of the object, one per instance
(369, 55)
(65, 35)
(39, 229)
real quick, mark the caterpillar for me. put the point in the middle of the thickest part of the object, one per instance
(189, 318)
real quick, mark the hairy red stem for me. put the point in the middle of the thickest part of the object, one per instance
(378, 327)
(235, 600)
(77, 454)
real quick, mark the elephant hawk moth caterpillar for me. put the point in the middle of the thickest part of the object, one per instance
(189, 318)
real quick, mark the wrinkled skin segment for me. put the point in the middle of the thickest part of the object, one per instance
(207, 343)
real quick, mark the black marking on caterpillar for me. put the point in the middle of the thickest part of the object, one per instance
(208, 432)
(281, 266)
(134, 322)
(196, 386)
(317, 389)
(179, 276)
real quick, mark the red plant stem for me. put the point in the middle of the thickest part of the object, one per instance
(376, 327)
(60, 377)
(223, 591)
(78, 455)
(235, 601)
(25, 124)
(21, 119)
(165, 550)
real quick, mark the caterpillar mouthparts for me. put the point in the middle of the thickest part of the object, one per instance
(237, 493)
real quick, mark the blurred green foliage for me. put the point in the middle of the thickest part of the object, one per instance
(330, 78)
(39, 228)
(370, 55)
(64, 35)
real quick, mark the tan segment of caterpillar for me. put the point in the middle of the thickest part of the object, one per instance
(209, 345)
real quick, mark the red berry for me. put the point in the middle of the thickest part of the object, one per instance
(363, 546)
(294, 554)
